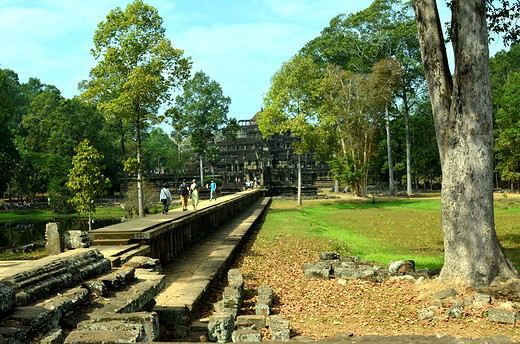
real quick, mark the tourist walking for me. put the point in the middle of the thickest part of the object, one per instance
(166, 198)
(212, 191)
(194, 193)
(184, 192)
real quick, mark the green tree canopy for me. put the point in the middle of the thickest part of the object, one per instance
(291, 105)
(85, 179)
(137, 69)
(201, 113)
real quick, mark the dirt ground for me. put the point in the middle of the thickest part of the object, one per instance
(321, 309)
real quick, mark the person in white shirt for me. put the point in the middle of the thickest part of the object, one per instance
(166, 198)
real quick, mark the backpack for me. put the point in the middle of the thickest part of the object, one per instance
(183, 189)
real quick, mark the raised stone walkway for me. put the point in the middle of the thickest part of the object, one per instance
(190, 277)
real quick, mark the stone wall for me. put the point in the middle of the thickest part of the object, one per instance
(170, 239)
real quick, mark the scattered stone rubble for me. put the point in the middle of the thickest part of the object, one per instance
(76, 297)
(331, 264)
(227, 325)
(444, 303)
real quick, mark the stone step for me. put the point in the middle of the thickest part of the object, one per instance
(135, 297)
(38, 279)
(147, 322)
(27, 322)
(98, 234)
(111, 242)
(112, 281)
(130, 334)
(142, 250)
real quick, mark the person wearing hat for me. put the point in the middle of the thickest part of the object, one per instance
(166, 198)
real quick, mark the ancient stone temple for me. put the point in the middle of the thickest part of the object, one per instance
(270, 162)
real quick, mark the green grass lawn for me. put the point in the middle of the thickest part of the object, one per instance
(389, 230)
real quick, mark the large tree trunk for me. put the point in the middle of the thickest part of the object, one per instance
(463, 123)
(391, 184)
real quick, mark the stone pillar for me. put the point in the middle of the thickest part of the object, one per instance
(54, 239)
(76, 239)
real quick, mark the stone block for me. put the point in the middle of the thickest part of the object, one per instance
(401, 267)
(349, 274)
(118, 279)
(346, 273)
(54, 336)
(54, 239)
(330, 256)
(265, 292)
(105, 337)
(246, 336)
(263, 308)
(97, 288)
(278, 321)
(445, 294)
(37, 318)
(426, 273)
(76, 239)
(235, 279)
(455, 311)
(68, 302)
(318, 270)
(232, 298)
(246, 321)
(232, 311)
(220, 327)
(142, 262)
(483, 299)
(347, 265)
(14, 331)
(173, 316)
(426, 314)
(148, 321)
(503, 316)
(7, 299)
(138, 297)
(353, 259)
(280, 333)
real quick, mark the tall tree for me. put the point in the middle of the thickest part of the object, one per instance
(507, 142)
(161, 152)
(138, 68)
(356, 42)
(201, 113)
(462, 114)
(355, 104)
(9, 92)
(504, 67)
(86, 180)
(291, 105)
(213, 157)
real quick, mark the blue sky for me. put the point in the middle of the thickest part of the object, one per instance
(239, 44)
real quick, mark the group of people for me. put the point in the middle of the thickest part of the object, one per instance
(186, 191)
